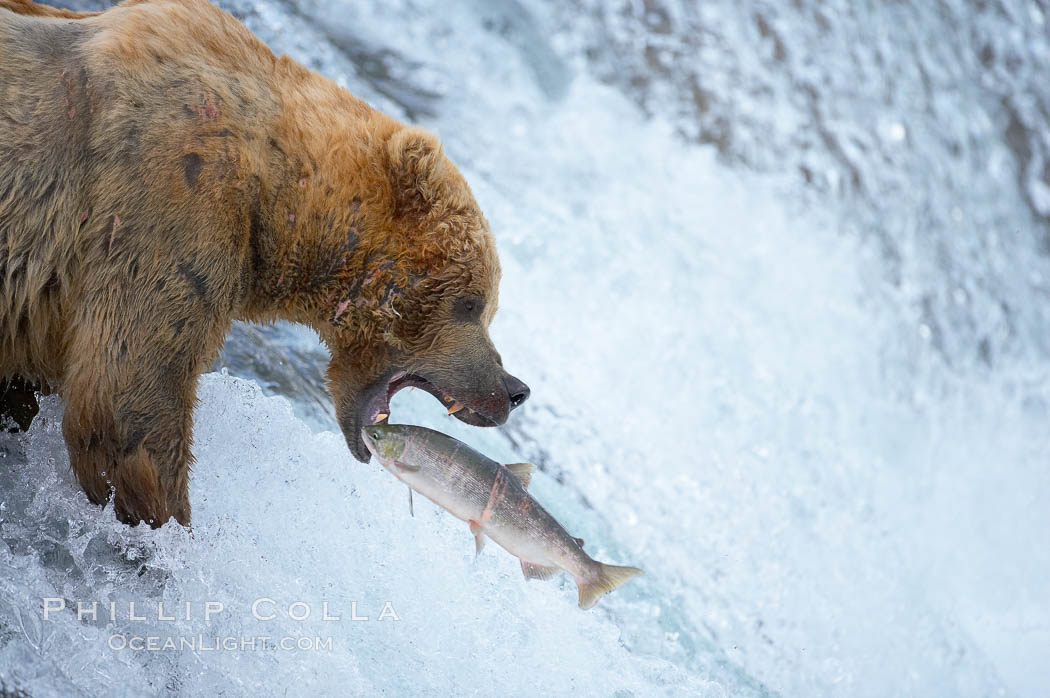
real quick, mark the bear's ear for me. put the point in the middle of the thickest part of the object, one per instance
(417, 168)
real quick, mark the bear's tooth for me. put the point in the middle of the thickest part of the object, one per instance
(381, 417)
(456, 407)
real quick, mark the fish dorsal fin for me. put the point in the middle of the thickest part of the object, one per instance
(522, 471)
(579, 541)
(532, 571)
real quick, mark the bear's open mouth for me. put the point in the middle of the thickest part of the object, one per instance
(378, 409)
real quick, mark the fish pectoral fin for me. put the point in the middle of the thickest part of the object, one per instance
(411, 508)
(532, 571)
(522, 471)
(405, 467)
(479, 537)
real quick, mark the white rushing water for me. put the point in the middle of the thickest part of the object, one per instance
(815, 412)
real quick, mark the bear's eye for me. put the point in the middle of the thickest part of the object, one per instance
(468, 308)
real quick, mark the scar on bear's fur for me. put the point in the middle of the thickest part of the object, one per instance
(166, 174)
(112, 234)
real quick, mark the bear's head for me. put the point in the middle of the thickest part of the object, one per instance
(423, 287)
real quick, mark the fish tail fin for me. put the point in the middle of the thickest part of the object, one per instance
(608, 578)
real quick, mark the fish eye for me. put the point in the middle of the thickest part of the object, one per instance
(375, 434)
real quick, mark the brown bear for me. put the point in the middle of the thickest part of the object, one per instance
(163, 174)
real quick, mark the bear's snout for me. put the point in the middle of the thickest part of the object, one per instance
(490, 402)
(492, 408)
(517, 392)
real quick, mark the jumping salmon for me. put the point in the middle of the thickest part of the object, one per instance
(493, 499)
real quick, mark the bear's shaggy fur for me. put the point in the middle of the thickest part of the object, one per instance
(164, 173)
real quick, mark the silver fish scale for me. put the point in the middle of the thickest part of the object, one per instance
(468, 483)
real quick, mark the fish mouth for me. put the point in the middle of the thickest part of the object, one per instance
(377, 408)
(368, 442)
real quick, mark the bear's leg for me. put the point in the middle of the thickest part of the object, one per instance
(138, 451)
(95, 451)
(128, 427)
(18, 405)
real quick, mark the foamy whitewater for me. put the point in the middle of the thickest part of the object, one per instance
(795, 366)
